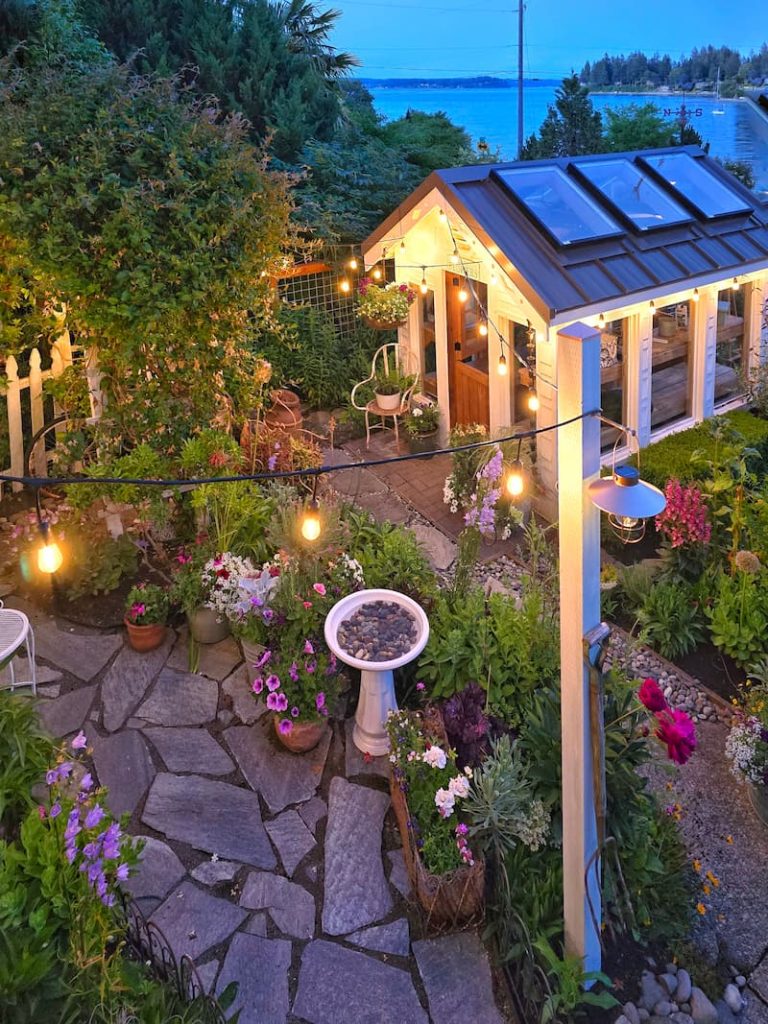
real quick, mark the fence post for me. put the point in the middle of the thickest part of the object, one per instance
(15, 433)
(38, 460)
(93, 376)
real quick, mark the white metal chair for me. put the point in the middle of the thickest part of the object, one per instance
(16, 632)
(386, 359)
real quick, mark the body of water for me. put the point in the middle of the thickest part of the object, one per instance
(740, 133)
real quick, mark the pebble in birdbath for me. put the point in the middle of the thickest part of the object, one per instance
(378, 631)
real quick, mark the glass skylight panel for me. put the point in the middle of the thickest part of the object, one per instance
(562, 208)
(694, 182)
(633, 193)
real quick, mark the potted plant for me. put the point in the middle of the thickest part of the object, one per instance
(299, 687)
(747, 742)
(428, 791)
(388, 389)
(253, 616)
(207, 590)
(384, 307)
(146, 612)
(421, 425)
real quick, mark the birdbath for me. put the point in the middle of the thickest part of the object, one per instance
(383, 625)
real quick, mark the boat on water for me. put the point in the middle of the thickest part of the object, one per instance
(719, 108)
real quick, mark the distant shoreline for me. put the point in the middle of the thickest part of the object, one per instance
(489, 82)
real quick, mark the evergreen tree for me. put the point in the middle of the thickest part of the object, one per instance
(572, 126)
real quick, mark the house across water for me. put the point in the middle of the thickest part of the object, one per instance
(662, 252)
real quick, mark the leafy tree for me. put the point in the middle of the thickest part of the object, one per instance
(572, 126)
(152, 219)
(740, 169)
(636, 127)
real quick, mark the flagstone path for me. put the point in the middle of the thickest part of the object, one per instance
(282, 872)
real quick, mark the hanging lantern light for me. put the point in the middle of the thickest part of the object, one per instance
(376, 274)
(515, 482)
(533, 401)
(442, 216)
(352, 264)
(49, 556)
(494, 278)
(311, 527)
(628, 500)
(423, 287)
(502, 365)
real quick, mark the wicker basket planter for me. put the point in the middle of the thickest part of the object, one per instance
(383, 325)
(450, 899)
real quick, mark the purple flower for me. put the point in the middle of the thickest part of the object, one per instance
(91, 850)
(264, 659)
(293, 672)
(101, 887)
(94, 872)
(420, 686)
(94, 816)
(55, 809)
(461, 829)
(320, 701)
(108, 900)
(271, 463)
(295, 712)
(285, 726)
(65, 770)
(122, 872)
(258, 684)
(267, 615)
(272, 701)
(256, 601)
(282, 702)
(86, 782)
(273, 683)
(310, 665)
(308, 648)
(79, 742)
(51, 776)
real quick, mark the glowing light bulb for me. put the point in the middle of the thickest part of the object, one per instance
(695, 294)
(455, 255)
(402, 246)
(376, 275)
(442, 216)
(310, 523)
(482, 330)
(463, 294)
(515, 480)
(652, 304)
(533, 401)
(49, 558)
(601, 321)
(494, 278)
(735, 286)
(502, 367)
(344, 286)
(423, 287)
(352, 264)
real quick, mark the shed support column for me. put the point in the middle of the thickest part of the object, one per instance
(642, 383)
(757, 324)
(546, 444)
(705, 350)
(578, 462)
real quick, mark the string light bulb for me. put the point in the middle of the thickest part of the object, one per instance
(352, 264)
(652, 304)
(49, 556)
(376, 274)
(601, 321)
(344, 286)
(533, 401)
(463, 294)
(735, 285)
(311, 526)
(482, 330)
(402, 246)
(695, 294)
(455, 255)
(494, 278)
(442, 216)
(515, 482)
(502, 366)
(423, 287)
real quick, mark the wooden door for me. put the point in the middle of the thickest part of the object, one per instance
(467, 352)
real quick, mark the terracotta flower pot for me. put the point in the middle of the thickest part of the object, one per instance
(285, 412)
(303, 736)
(145, 638)
(206, 627)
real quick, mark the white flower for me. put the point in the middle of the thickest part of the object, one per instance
(468, 771)
(214, 858)
(392, 759)
(459, 786)
(444, 801)
(417, 412)
(434, 757)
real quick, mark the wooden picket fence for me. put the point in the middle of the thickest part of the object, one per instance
(27, 409)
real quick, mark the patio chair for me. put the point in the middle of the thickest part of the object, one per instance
(15, 633)
(386, 359)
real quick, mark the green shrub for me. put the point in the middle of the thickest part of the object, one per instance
(737, 619)
(671, 619)
(671, 457)
(391, 557)
(25, 751)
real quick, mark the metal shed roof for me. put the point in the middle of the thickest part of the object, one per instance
(510, 206)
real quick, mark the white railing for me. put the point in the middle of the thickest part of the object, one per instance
(25, 408)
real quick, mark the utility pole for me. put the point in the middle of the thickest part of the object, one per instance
(520, 10)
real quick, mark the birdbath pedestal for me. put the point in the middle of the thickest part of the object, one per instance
(377, 682)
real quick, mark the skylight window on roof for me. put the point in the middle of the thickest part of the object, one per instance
(694, 182)
(633, 193)
(557, 203)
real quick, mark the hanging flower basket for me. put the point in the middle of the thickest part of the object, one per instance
(449, 899)
(383, 325)
(384, 307)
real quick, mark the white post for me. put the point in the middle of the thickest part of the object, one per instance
(15, 430)
(37, 460)
(578, 460)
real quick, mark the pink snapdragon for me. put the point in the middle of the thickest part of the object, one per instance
(685, 520)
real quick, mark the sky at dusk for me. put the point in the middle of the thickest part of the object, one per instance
(401, 39)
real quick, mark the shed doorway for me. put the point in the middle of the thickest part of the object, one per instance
(467, 351)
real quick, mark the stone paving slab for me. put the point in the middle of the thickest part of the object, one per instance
(341, 986)
(124, 766)
(212, 816)
(180, 698)
(440, 551)
(386, 508)
(356, 892)
(355, 762)
(207, 974)
(290, 906)
(158, 871)
(82, 655)
(256, 925)
(216, 661)
(190, 750)
(193, 921)
(392, 938)
(214, 872)
(281, 777)
(64, 715)
(21, 669)
(260, 967)
(128, 680)
(398, 873)
(312, 812)
(237, 688)
(292, 838)
(457, 977)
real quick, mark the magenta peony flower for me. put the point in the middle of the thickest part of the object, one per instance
(676, 729)
(650, 695)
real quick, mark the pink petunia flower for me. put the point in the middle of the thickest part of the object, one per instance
(282, 702)
(308, 648)
(272, 701)
(320, 701)
(273, 682)
(258, 684)
(319, 588)
(285, 726)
